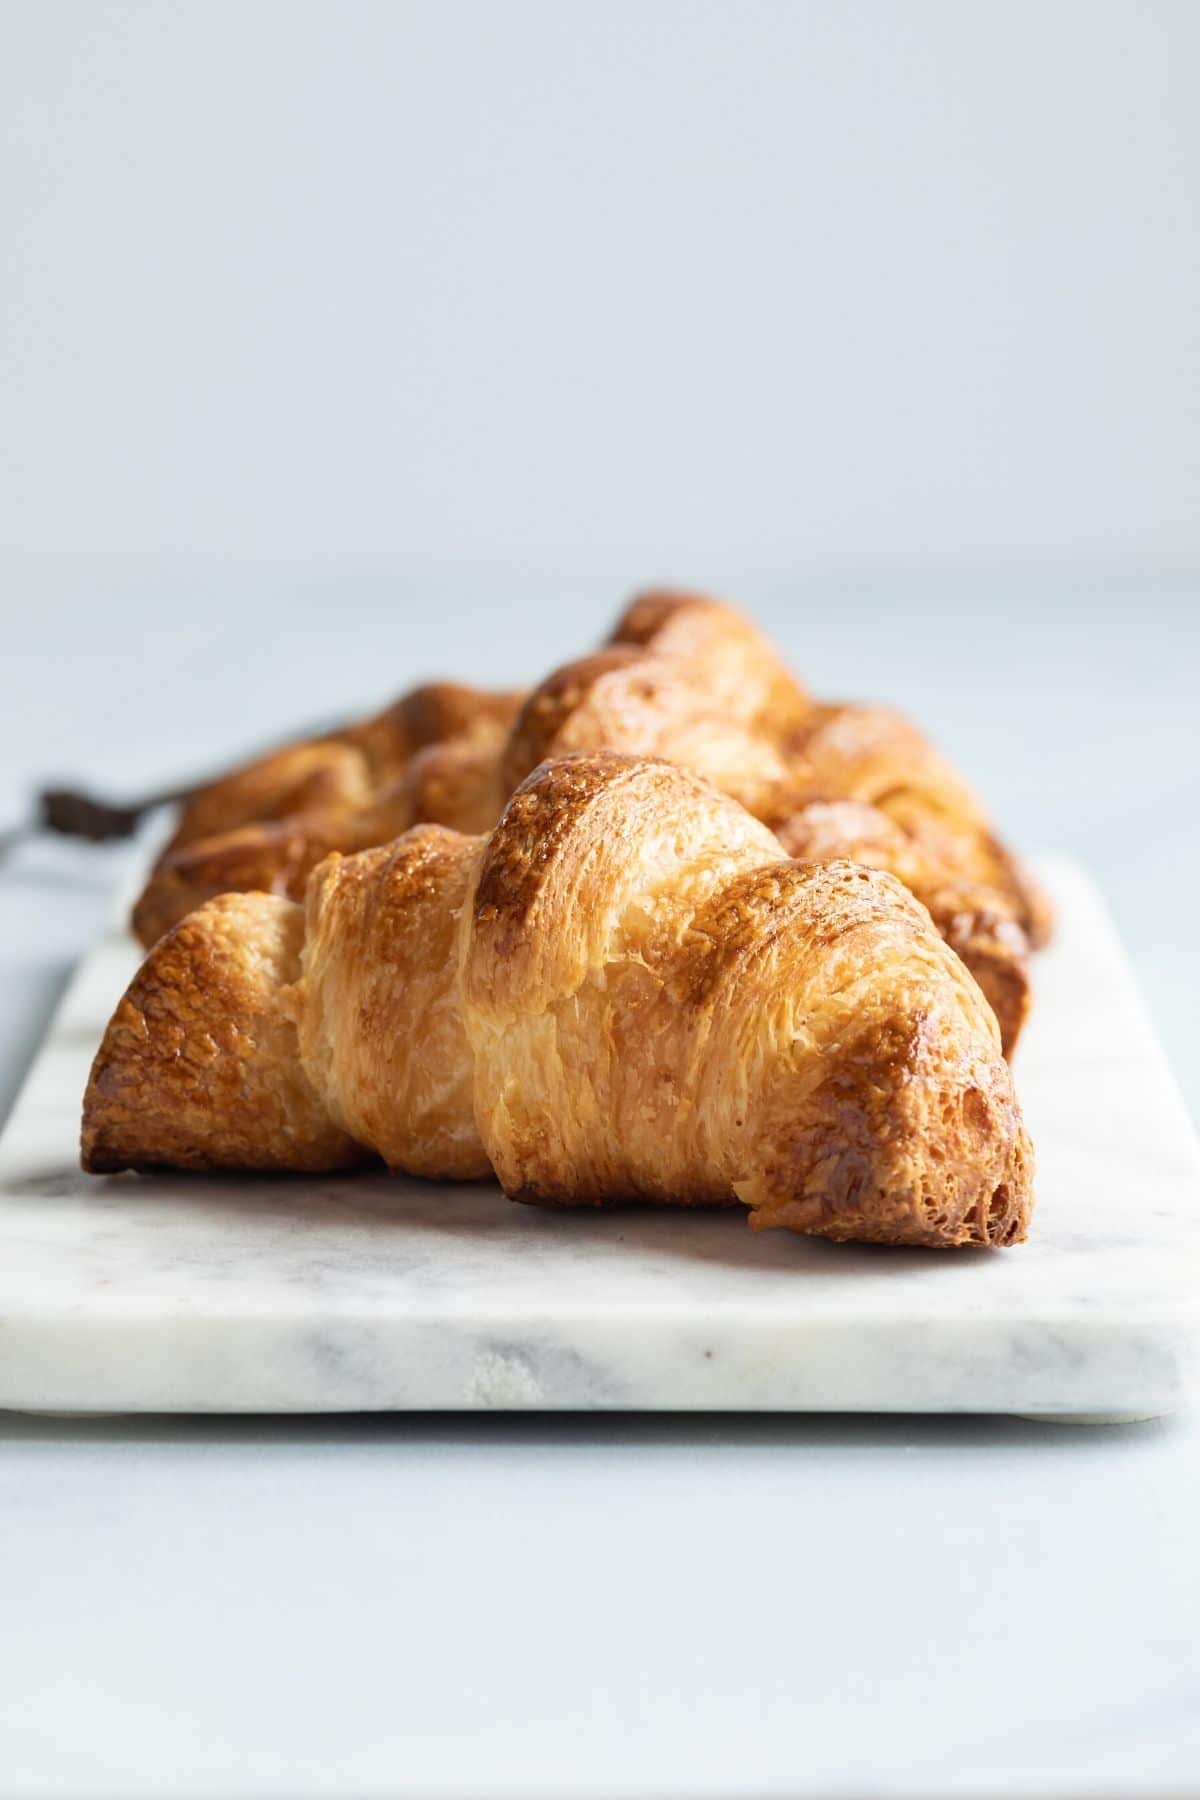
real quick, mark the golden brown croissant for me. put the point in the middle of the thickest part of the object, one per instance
(622, 992)
(454, 783)
(778, 752)
(346, 770)
(978, 921)
(873, 755)
(692, 680)
(684, 677)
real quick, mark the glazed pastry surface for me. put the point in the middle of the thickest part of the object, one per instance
(981, 922)
(682, 677)
(624, 991)
(346, 770)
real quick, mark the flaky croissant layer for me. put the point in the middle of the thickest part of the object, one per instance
(625, 991)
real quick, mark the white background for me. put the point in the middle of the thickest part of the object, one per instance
(803, 283)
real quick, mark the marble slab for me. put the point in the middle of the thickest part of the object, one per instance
(187, 1294)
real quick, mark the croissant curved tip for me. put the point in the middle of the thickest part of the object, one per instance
(200, 1067)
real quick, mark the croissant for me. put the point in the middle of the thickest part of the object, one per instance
(875, 756)
(624, 991)
(682, 677)
(454, 783)
(978, 921)
(903, 808)
(345, 770)
(691, 679)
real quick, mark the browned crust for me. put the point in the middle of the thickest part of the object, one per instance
(879, 1105)
(547, 710)
(858, 1166)
(536, 823)
(199, 1067)
(978, 922)
(875, 756)
(437, 713)
(315, 777)
(452, 782)
(650, 613)
(995, 950)
(272, 858)
(343, 770)
(911, 1133)
(734, 668)
(623, 991)
(381, 1028)
(683, 677)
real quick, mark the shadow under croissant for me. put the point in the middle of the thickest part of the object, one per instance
(374, 1199)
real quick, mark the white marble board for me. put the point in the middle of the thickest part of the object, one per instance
(191, 1294)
